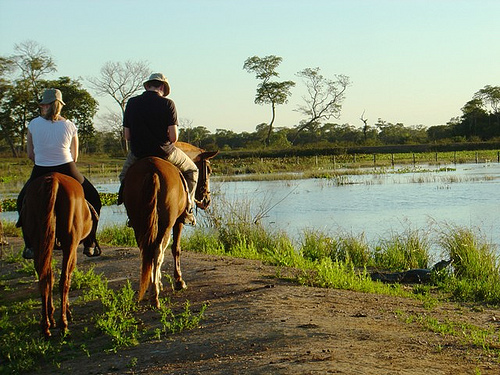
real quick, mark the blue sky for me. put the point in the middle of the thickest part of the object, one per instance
(410, 61)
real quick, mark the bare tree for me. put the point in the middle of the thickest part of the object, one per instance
(34, 61)
(187, 125)
(365, 126)
(120, 81)
(324, 98)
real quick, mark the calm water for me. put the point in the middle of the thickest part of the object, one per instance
(376, 205)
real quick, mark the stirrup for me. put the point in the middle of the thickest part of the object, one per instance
(28, 253)
(188, 218)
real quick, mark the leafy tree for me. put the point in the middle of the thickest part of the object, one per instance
(20, 96)
(6, 123)
(194, 135)
(490, 95)
(472, 111)
(324, 100)
(268, 91)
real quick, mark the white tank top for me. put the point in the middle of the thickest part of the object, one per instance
(51, 141)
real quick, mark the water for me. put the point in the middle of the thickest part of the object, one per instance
(381, 205)
(374, 205)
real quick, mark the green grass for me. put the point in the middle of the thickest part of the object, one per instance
(468, 334)
(116, 235)
(114, 324)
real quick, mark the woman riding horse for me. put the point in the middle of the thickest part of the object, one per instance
(53, 146)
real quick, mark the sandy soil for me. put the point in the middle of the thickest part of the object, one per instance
(257, 323)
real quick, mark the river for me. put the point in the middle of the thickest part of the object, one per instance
(376, 205)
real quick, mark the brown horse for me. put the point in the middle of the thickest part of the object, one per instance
(155, 198)
(55, 207)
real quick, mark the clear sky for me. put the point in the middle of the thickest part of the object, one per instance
(411, 61)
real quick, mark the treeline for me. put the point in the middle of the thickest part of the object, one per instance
(22, 82)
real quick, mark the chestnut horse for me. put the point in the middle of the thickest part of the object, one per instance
(55, 207)
(155, 198)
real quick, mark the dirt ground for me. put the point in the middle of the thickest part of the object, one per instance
(257, 323)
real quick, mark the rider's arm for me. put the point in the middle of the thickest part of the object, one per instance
(173, 133)
(30, 148)
(126, 134)
(74, 148)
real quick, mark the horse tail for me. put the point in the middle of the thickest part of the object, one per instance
(48, 195)
(149, 232)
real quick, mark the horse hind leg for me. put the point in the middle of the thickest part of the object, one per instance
(46, 284)
(69, 262)
(179, 283)
(156, 285)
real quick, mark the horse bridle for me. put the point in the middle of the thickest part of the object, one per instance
(204, 173)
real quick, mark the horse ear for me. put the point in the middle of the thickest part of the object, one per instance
(208, 154)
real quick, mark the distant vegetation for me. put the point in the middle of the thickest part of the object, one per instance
(22, 82)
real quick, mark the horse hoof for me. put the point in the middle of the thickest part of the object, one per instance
(180, 285)
(92, 251)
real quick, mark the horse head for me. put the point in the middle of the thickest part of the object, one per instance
(202, 160)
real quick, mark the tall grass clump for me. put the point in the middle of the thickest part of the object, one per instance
(316, 246)
(117, 235)
(117, 319)
(476, 268)
(410, 249)
(239, 232)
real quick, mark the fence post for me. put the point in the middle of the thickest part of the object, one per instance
(413, 159)
(455, 157)
(392, 160)
(436, 157)
(477, 157)
(374, 159)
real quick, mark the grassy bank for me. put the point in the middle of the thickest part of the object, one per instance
(340, 261)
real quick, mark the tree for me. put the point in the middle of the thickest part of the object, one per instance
(113, 133)
(268, 91)
(490, 95)
(20, 99)
(120, 81)
(324, 100)
(6, 123)
(34, 61)
(473, 111)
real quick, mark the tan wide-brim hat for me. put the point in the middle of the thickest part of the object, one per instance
(161, 78)
(51, 95)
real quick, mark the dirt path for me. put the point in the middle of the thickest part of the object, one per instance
(258, 324)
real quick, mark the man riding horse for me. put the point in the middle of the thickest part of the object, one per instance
(150, 125)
